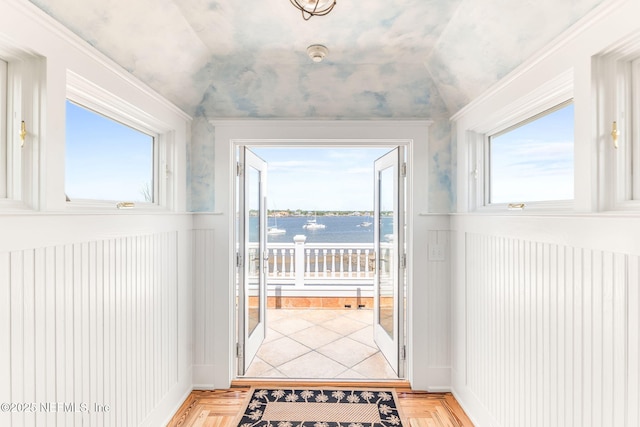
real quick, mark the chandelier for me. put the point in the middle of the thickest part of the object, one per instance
(311, 8)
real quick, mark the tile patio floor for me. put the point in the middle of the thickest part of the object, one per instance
(320, 343)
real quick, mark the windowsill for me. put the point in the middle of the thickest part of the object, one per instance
(631, 214)
(530, 208)
(99, 206)
(629, 206)
(14, 206)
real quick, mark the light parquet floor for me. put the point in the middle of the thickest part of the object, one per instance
(218, 408)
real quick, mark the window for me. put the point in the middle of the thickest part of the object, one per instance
(4, 162)
(618, 113)
(532, 161)
(21, 77)
(106, 159)
(635, 128)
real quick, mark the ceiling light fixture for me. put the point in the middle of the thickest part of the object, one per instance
(317, 52)
(311, 8)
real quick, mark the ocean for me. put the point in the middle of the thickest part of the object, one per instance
(338, 229)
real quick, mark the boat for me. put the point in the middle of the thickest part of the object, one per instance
(274, 230)
(312, 224)
(366, 224)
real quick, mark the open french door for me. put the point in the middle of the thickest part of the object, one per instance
(389, 236)
(251, 257)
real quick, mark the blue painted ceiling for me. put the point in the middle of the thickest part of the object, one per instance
(387, 58)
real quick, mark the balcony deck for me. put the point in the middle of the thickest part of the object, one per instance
(320, 344)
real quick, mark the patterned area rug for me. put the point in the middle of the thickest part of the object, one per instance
(319, 407)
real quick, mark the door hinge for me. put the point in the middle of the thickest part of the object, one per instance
(239, 169)
(238, 260)
(403, 261)
(239, 350)
(403, 353)
(403, 169)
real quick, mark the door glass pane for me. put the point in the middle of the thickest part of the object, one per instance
(253, 245)
(387, 257)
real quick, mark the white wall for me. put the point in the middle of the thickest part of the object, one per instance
(95, 303)
(545, 307)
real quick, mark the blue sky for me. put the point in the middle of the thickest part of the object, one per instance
(534, 162)
(320, 178)
(108, 161)
(105, 160)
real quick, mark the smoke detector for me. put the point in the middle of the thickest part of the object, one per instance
(317, 52)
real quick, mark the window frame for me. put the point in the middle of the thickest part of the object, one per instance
(90, 96)
(514, 204)
(555, 92)
(617, 82)
(4, 95)
(24, 82)
(635, 122)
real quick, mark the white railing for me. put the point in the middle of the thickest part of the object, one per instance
(317, 266)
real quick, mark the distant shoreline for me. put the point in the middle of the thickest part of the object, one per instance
(301, 213)
(279, 213)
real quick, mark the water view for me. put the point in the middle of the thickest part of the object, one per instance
(338, 229)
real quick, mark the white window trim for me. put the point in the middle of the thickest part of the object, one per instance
(635, 97)
(3, 128)
(25, 79)
(89, 95)
(617, 82)
(546, 97)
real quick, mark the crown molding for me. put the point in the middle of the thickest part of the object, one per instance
(42, 20)
(321, 122)
(568, 36)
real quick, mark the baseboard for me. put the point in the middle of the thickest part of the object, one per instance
(169, 405)
(430, 379)
(473, 407)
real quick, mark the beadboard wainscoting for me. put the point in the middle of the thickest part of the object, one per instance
(429, 304)
(98, 323)
(203, 314)
(546, 320)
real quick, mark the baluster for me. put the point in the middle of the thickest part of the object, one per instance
(283, 252)
(316, 260)
(358, 264)
(366, 262)
(308, 259)
(333, 263)
(252, 257)
(341, 262)
(388, 264)
(292, 266)
(350, 262)
(324, 262)
(273, 254)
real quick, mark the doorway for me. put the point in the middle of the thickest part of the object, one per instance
(349, 341)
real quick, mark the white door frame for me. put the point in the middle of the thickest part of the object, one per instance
(230, 134)
(390, 342)
(249, 341)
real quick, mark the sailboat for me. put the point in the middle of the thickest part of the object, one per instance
(312, 224)
(366, 223)
(274, 231)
